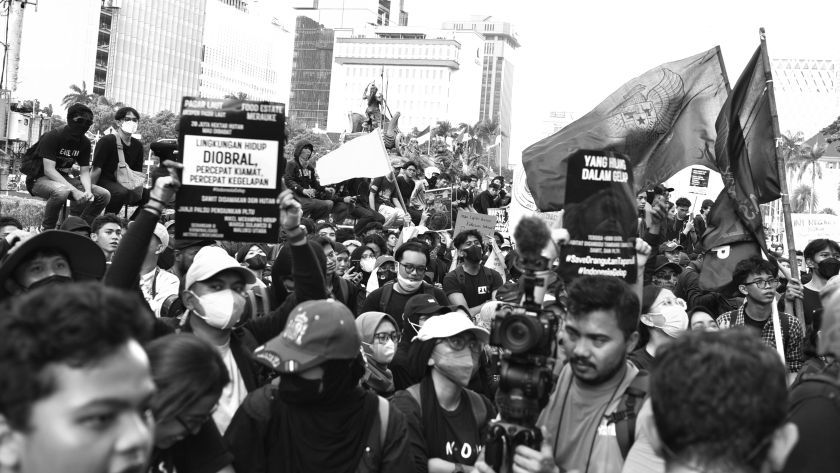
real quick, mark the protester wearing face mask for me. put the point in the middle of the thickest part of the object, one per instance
(58, 151)
(379, 335)
(663, 319)
(254, 257)
(385, 271)
(411, 260)
(189, 375)
(822, 257)
(445, 420)
(106, 159)
(471, 284)
(318, 418)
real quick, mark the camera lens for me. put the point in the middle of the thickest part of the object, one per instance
(520, 333)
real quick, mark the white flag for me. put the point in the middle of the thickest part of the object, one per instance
(496, 261)
(362, 157)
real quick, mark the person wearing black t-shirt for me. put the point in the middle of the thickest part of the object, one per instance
(106, 158)
(462, 197)
(59, 150)
(471, 284)
(189, 375)
(411, 259)
(486, 199)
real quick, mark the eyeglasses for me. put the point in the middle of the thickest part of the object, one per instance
(384, 337)
(135, 120)
(665, 276)
(370, 256)
(82, 121)
(676, 301)
(764, 283)
(410, 268)
(411, 170)
(193, 426)
(458, 343)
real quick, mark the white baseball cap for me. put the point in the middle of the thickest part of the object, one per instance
(162, 234)
(447, 325)
(212, 260)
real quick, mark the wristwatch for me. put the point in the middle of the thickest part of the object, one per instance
(459, 468)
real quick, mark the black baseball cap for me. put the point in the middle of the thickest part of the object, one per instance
(181, 243)
(662, 262)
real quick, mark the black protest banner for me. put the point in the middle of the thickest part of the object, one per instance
(600, 215)
(232, 151)
(699, 181)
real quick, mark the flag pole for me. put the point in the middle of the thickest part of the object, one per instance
(780, 163)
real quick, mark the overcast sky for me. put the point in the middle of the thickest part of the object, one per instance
(574, 54)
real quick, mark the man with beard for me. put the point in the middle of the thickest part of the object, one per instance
(666, 272)
(58, 151)
(757, 280)
(584, 416)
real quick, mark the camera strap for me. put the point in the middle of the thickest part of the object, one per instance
(625, 416)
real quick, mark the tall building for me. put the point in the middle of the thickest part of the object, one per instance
(233, 62)
(154, 55)
(499, 52)
(315, 27)
(426, 74)
(807, 93)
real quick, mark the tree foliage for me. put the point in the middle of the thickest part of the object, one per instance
(79, 95)
(828, 211)
(802, 200)
(832, 132)
(156, 127)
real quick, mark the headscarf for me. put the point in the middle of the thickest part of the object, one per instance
(357, 256)
(377, 375)
(327, 433)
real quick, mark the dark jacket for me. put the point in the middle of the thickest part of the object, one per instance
(483, 201)
(298, 177)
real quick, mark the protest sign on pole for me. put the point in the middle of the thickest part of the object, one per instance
(699, 181)
(439, 207)
(485, 224)
(501, 214)
(496, 261)
(232, 151)
(600, 215)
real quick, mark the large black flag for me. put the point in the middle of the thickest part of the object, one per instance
(746, 156)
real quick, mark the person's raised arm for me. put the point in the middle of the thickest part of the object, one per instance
(642, 255)
(125, 266)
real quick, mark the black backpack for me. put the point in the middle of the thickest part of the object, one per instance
(625, 416)
(31, 163)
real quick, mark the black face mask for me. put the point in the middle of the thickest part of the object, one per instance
(386, 276)
(296, 390)
(473, 254)
(166, 259)
(257, 262)
(54, 279)
(77, 130)
(828, 267)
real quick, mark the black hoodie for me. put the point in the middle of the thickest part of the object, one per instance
(298, 177)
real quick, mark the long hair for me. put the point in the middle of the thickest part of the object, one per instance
(185, 369)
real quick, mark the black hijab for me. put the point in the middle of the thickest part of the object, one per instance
(327, 433)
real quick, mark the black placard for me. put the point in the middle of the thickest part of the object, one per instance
(699, 178)
(232, 151)
(600, 215)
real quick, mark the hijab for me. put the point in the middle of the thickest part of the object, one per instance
(326, 433)
(377, 375)
(357, 256)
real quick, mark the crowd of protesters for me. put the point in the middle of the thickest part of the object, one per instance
(359, 341)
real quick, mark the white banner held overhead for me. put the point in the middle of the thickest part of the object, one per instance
(361, 157)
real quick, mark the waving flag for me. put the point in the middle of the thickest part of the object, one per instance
(663, 120)
(364, 156)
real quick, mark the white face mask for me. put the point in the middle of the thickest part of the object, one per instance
(367, 264)
(407, 284)
(129, 127)
(383, 353)
(221, 309)
(676, 320)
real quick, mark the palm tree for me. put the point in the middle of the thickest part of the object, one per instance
(470, 130)
(238, 96)
(80, 95)
(443, 129)
(791, 148)
(800, 199)
(809, 158)
(110, 103)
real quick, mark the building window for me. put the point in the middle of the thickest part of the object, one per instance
(489, 48)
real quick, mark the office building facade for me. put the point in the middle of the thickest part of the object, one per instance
(807, 93)
(426, 74)
(498, 57)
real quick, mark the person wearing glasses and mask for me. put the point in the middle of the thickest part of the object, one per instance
(380, 337)
(663, 319)
(58, 150)
(411, 260)
(445, 419)
(189, 375)
(106, 158)
(757, 280)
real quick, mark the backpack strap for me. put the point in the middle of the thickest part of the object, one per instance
(387, 289)
(120, 151)
(384, 415)
(625, 416)
(459, 271)
(266, 301)
(414, 390)
(252, 298)
(428, 289)
(479, 410)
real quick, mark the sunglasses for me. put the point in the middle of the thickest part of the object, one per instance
(82, 121)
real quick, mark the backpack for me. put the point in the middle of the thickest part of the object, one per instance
(479, 410)
(625, 416)
(260, 303)
(31, 163)
(486, 280)
(388, 289)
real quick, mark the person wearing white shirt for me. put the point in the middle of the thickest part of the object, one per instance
(156, 284)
